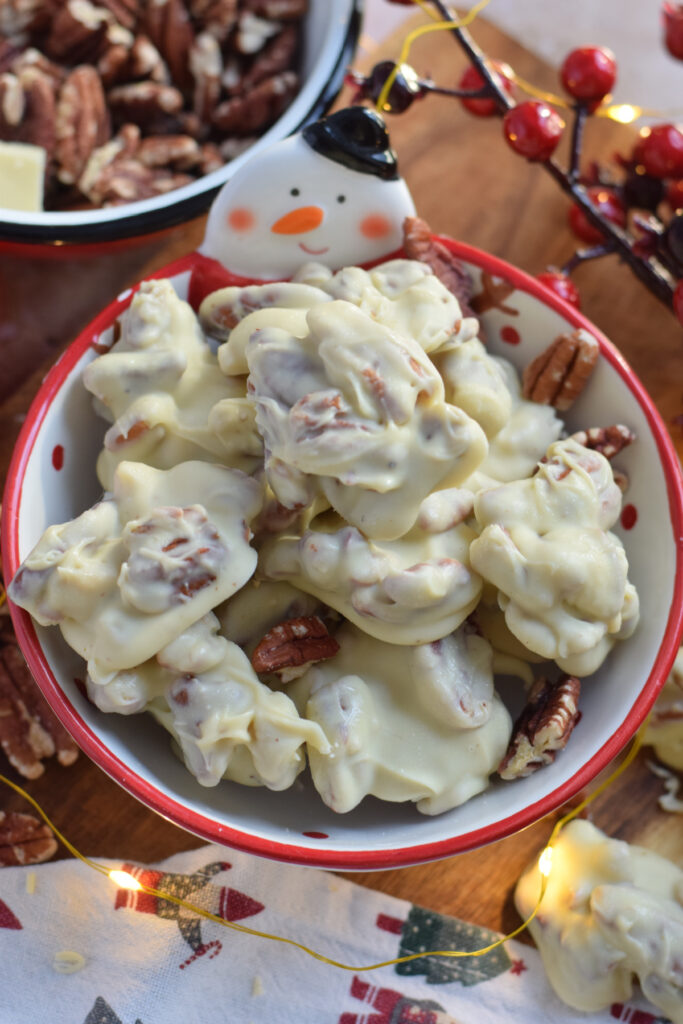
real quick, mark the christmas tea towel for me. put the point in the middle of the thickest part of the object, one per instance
(76, 949)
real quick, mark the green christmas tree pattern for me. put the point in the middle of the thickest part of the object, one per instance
(425, 929)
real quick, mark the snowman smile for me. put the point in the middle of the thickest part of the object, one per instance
(313, 252)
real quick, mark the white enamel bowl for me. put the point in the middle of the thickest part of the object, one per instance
(52, 478)
(329, 34)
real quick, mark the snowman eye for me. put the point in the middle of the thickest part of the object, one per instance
(294, 192)
(341, 199)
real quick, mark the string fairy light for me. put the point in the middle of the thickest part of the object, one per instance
(123, 879)
(623, 113)
(436, 25)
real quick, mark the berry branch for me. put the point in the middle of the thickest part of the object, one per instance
(533, 129)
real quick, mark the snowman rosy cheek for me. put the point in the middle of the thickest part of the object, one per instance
(240, 218)
(375, 225)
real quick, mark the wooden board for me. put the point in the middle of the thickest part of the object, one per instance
(468, 184)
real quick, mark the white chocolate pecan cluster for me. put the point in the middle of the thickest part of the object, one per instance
(334, 519)
(612, 914)
(161, 386)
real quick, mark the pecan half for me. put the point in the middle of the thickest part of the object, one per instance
(126, 12)
(494, 292)
(543, 728)
(559, 374)
(29, 729)
(609, 441)
(215, 16)
(280, 10)
(245, 115)
(418, 244)
(82, 122)
(206, 65)
(34, 105)
(290, 648)
(78, 31)
(169, 27)
(179, 151)
(24, 840)
(277, 55)
(144, 103)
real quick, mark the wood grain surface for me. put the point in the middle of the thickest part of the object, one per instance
(467, 184)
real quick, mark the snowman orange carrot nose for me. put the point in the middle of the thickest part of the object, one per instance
(297, 222)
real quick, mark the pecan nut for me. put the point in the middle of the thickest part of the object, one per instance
(418, 244)
(609, 441)
(24, 840)
(27, 109)
(144, 103)
(559, 374)
(543, 728)
(82, 122)
(245, 115)
(168, 25)
(126, 12)
(280, 10)
(215, 16)
(29, 729)
(78, 32)
(290, 648)
(206, 65)
(276, 56)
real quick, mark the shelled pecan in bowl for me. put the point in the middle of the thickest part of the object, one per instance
(76, 77)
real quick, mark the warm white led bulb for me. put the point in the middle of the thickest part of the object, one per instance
(545, 861)
(124, 880)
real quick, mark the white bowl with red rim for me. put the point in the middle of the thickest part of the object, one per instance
(52, 478)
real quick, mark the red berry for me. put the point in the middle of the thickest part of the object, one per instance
(672, 21)
(589, 73)
(533, 129)
(609, 205)
(471, 79)
(660, 151)
(561, 285)
(678, 300)
(674, 194)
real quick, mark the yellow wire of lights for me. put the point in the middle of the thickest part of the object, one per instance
(422, 30)
(124, 880)
(623, 113)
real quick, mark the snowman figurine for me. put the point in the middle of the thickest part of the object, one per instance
(331, 194)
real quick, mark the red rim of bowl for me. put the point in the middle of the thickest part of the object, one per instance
(213, 831)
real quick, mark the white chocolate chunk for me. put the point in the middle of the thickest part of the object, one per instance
(404, 723)
(162, 387)
(131, 574)
(561, 577)
(358, 412)
(612, 913)
(22, 176)
(409, 591)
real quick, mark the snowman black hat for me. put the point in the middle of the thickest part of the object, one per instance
(357, 138)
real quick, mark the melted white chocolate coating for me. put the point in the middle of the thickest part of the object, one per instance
(358, 412)
(134, 572)
(611, 913)
(404, 723)
(160, 385)
(403, 295)
(409, 591)
(665, 725)
(561, 576)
